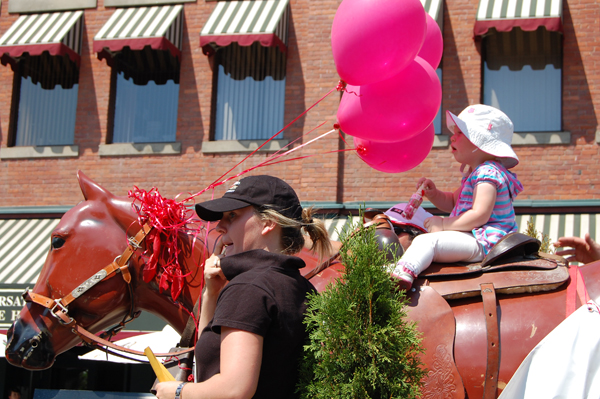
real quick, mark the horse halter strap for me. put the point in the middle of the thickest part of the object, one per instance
(59, 307)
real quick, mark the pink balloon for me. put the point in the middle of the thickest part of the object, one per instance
(396, 157)
(373, 40)
(433, 46)
(394, 109)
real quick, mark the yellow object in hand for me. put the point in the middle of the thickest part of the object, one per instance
(162, 374)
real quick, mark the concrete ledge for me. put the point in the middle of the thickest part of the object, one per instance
(441, 140)
(130, 3)
(33, 212)
(125, 149)
(215, 147)
(533, 138)
(29, 6)
(49, 151)
(522, 138)
(523, 206)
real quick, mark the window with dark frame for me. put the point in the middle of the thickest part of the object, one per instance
(144, 96)
(44, 101)
(248, 92)
(522, 76)
(437, 122)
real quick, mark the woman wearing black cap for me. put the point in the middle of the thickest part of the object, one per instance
(251, 329)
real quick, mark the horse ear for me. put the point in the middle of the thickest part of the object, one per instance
(90, 189)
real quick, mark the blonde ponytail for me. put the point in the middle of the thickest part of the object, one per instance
(315, 228)
(292, 238)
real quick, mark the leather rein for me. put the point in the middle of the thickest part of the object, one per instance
(59, 307)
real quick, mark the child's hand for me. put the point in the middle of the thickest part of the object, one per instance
(434, 224)
(428, 186)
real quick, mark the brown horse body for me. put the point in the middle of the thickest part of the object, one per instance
(93, 233)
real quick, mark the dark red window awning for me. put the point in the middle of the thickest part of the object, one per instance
(58, 33)
(503, 15)
(246, 22)
(159, 27)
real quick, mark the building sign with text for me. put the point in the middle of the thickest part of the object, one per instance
(11, 303)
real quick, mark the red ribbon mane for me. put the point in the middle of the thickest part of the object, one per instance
(169, 219)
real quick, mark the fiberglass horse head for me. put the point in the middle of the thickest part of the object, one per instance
(66, 297)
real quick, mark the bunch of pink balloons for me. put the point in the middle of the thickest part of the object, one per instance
(387, 52)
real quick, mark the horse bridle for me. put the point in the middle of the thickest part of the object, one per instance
(59, 307)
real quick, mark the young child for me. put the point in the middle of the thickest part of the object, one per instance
(481, 209)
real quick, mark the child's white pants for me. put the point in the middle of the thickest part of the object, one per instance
(442, 247)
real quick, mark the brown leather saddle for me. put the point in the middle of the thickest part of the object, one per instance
(514, 265)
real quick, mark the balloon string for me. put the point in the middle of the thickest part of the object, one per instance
(277, 154)
(341, 86)
(308, 156)
(337, 126)
(275, 135)
(270, 159)
(265, 163)
(170, 217)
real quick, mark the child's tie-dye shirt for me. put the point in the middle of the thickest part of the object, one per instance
(502, 221)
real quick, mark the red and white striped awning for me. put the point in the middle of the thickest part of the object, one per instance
(434, 9)
(246, 22)
(159, 27)
(58, 33)
(503, 15)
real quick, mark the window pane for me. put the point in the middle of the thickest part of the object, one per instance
(437, 122)
(531, 99)
(145, 113)
(250, 93)
(522, 76)
(46, 116)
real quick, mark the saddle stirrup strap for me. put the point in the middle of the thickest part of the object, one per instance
(488, 294)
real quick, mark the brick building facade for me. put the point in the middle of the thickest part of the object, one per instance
(563, 171)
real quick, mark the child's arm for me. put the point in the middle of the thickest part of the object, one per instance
(441, 199)
(484, 197)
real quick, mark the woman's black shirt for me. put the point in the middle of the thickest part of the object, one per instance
(266, 295)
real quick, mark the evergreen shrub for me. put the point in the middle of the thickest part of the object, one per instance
(360, 343)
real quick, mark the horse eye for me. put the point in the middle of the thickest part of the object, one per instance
(57, 242)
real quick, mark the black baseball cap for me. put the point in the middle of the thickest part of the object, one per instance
(263, 191)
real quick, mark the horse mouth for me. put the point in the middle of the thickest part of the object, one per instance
(27, 348)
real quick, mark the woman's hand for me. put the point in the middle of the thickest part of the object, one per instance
(241, 359)
(166, 390)
(434, 224)
(582, 250)
(213, 276)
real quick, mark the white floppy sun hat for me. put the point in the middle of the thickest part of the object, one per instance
(489, 129)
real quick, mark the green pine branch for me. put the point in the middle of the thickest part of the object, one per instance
(360, 344)
(544, 238)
